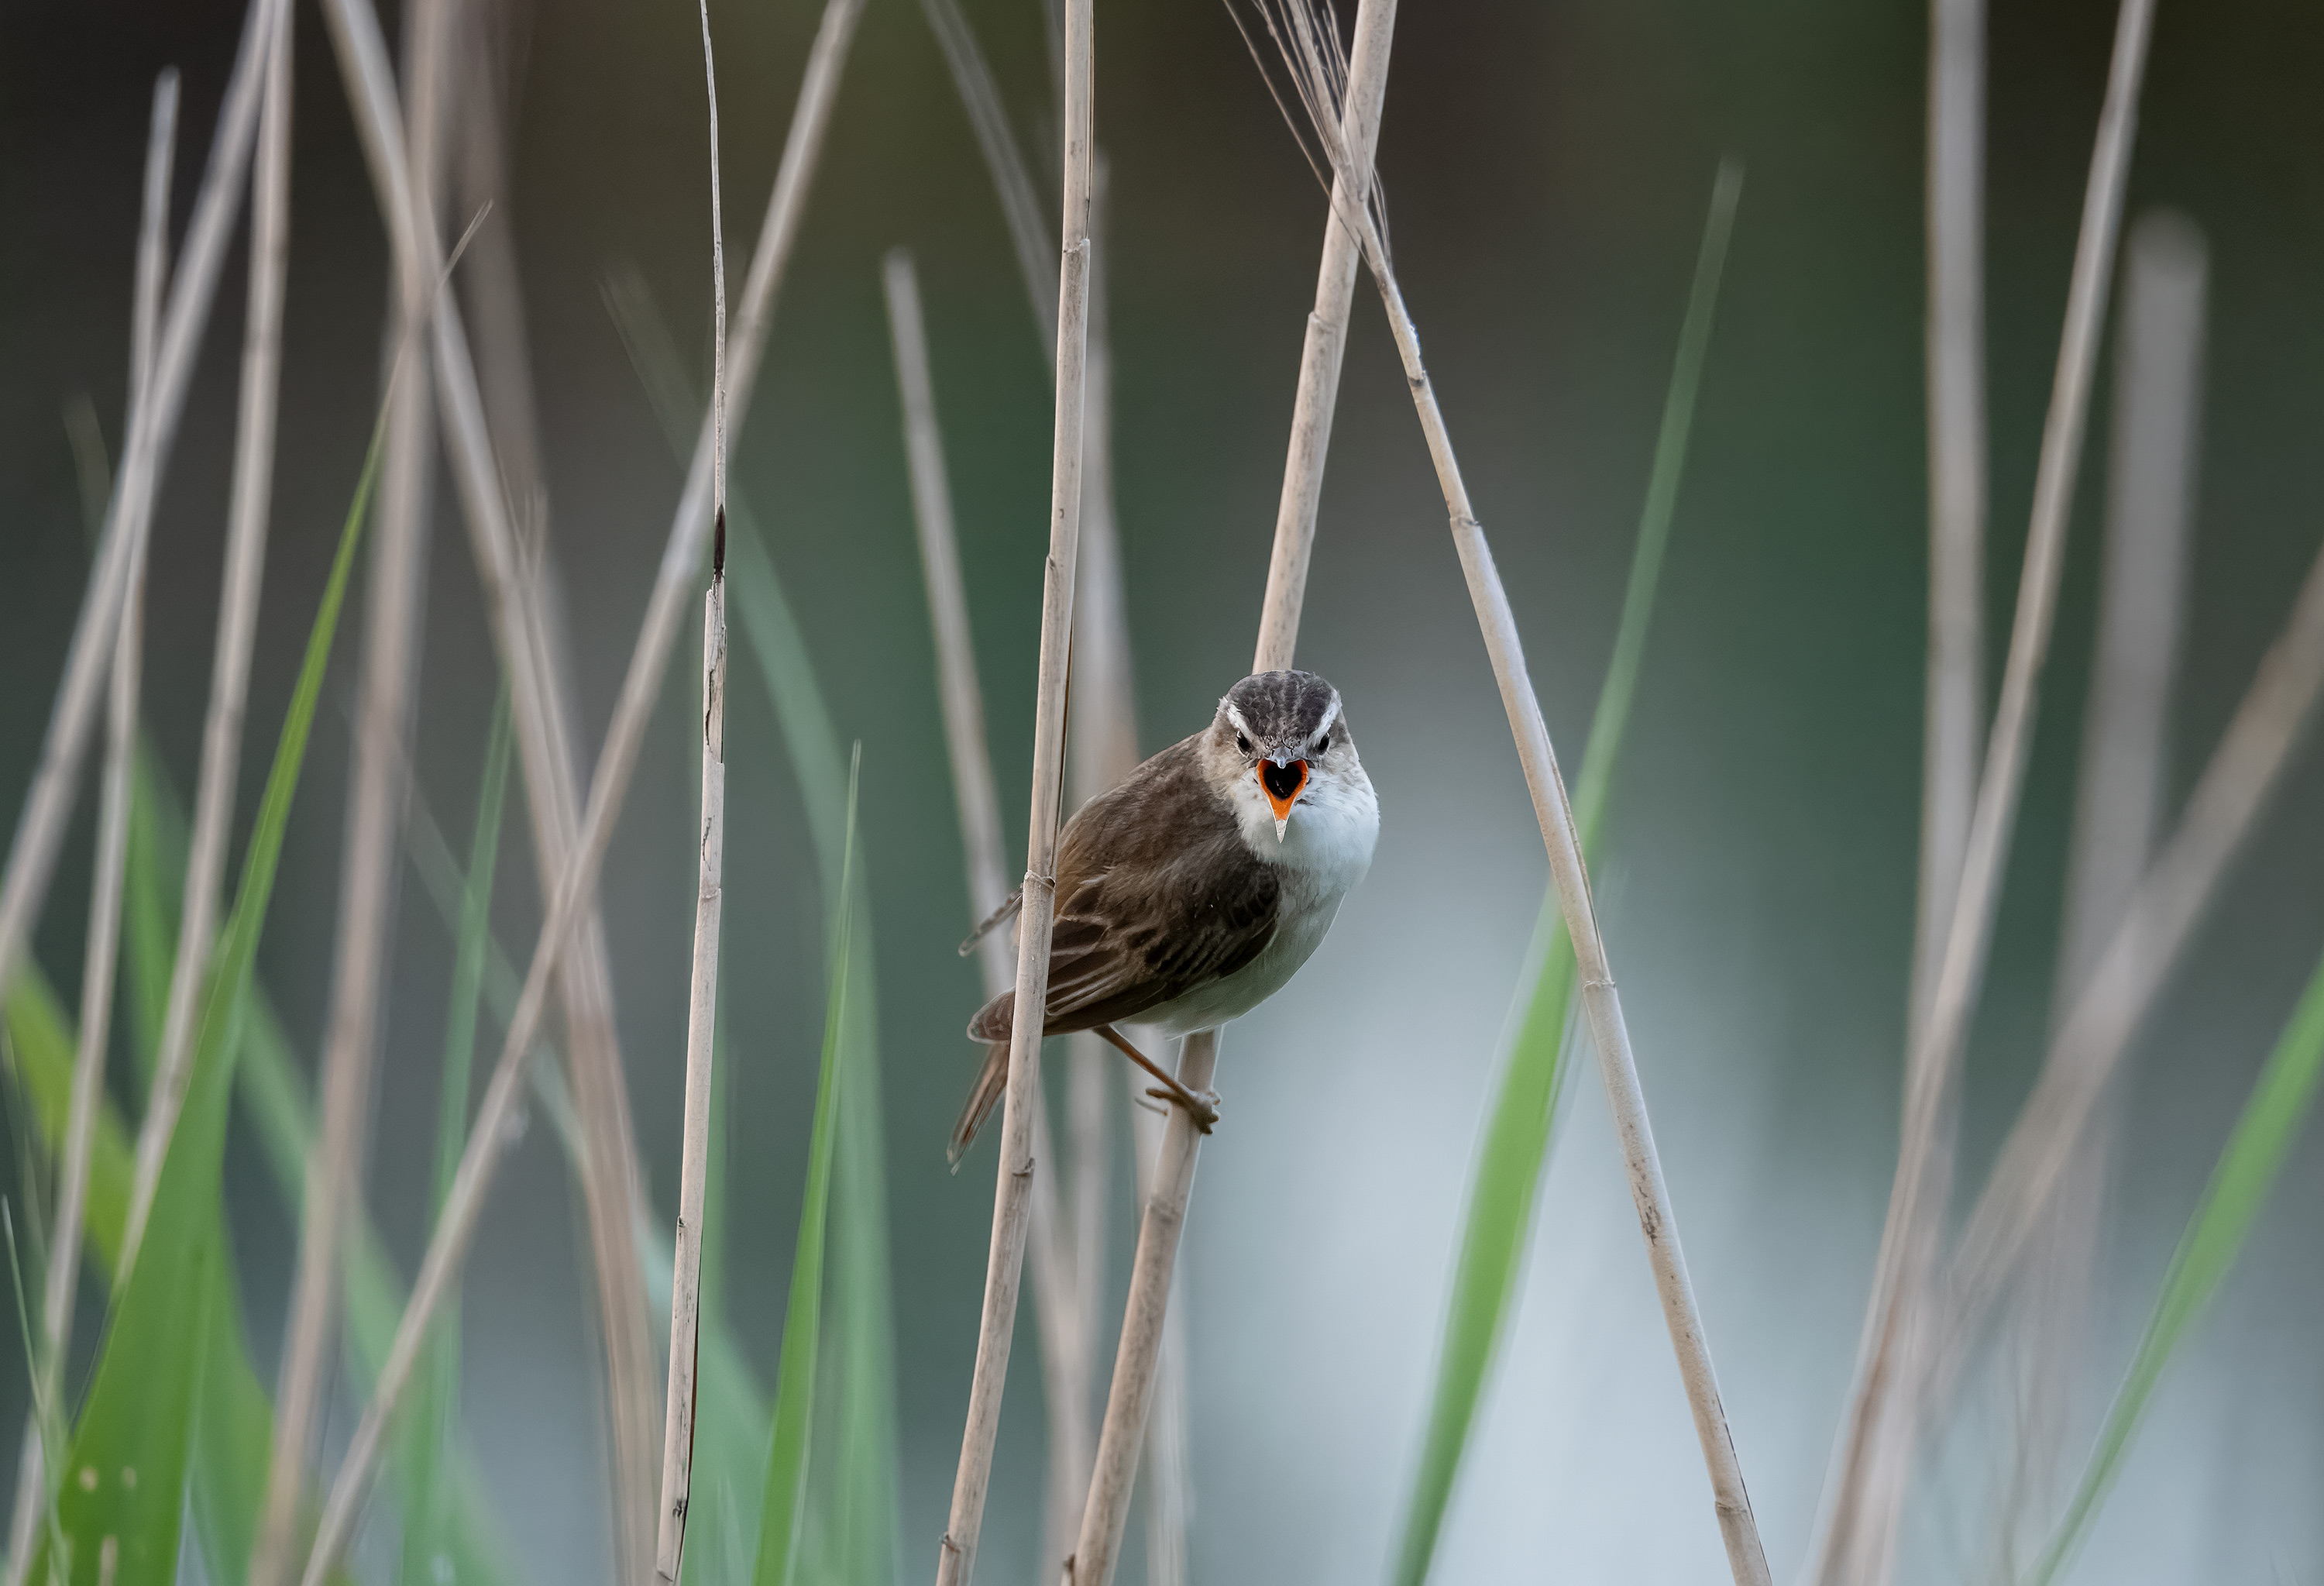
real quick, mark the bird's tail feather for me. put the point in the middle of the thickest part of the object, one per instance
(984, 927)
(991, 1080)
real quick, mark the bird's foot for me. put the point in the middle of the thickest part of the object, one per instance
(1202, 1109)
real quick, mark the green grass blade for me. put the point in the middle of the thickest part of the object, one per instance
(1515, 1146)
(2231, 1202)
(867, 1520)
(125, 1473)
(783, 1507)
(425, 1439)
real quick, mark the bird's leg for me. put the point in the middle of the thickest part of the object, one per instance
(1202, 1110)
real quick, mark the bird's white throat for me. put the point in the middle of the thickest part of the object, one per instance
(1330, 834)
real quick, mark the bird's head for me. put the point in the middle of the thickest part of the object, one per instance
(1284, 734)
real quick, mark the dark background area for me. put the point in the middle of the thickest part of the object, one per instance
(1547, 167)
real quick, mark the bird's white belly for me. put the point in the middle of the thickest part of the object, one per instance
(1324, 853)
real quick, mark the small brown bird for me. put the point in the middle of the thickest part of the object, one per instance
(1188, 894)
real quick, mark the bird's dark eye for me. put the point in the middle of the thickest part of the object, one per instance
(1242, 743)
(1325, 742)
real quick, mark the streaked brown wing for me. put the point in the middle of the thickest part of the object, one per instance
(1157, 895)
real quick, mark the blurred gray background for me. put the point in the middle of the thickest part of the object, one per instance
(1547, 167)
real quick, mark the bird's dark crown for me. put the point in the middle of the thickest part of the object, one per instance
(1279, 715)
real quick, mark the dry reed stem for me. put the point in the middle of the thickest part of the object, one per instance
(1151, 1356)
(249, 503)
(2121, 784)
(957, 1551)
(1311, 48)
(1326, 341)
(394, 623)
(171, 1072)
(701, 1023)
(61, 1284)
(641, 686)
(1880, 1437)
(49, 798)
(512, 575)
(1058, 1295)
(1143, 1326)
(702, 1003)
(1954, 715)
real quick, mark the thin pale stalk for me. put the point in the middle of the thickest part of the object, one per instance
(1101, 751)
(2121, 786)
(640, 687)
(701, 1022)
(1879, 1435)
(1954, 715)
(49, 798)
(1004, 161)
(956, 1553)
(1167, 1456)
(702, 1006)
(1143, 1326)
(246, 558)
(394, 623)
(1616, 1068)
(982, 843)
(152, 276)
(2131, 973)
(1326, 341)
(61, 1285)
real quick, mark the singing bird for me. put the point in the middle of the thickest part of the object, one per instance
(1190, 893)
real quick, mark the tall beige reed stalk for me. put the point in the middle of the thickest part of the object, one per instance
(249, 503)
(61, 1285)
(956, 1553)
(2118, 794)
(702, 1001)
(1953, 718)
(1880, 1435)
(1151, 1357)
(530, 650)
(1311, 48)
(682, 555)
(394, 623)
(1057, 1290)
(1067, 1237)
(49, 798)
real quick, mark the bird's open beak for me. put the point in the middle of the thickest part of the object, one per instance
(1281, 784)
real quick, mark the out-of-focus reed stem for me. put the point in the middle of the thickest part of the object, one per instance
(1309, 42)
(49, 799)
(62, 1283)
(1880, 1435)
(1954, 715)
(641, 689)
(394, 620)
(702, 1003)
(1012, 1207)
(2119, 793)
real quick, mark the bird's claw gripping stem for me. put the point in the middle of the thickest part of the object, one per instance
(1203, 1109)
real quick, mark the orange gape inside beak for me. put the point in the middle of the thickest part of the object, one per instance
(1282, 783)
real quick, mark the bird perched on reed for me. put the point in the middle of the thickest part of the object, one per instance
(1190, 893)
